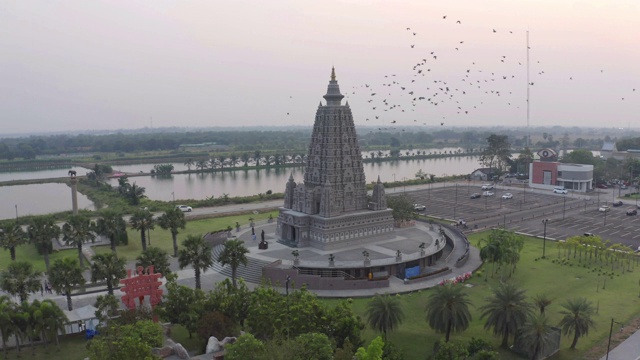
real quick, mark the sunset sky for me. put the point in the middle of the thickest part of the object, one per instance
(83, 65)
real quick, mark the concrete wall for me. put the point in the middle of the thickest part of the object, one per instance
(278, 276)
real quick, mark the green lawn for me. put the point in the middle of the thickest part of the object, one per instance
(162, 238)
(618, 300)
(29, 253)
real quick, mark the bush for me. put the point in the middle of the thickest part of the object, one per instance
(216, 324)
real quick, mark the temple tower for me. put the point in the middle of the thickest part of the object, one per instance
(334, 184)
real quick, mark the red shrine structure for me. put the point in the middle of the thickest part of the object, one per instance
(140, 285)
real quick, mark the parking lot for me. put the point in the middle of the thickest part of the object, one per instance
(568, 215)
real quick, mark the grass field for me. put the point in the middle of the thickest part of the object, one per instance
(29, 253)
(162, 238)
(618, 300)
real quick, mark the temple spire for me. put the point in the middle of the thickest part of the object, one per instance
(333, 95)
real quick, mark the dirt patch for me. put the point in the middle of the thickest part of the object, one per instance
(617, 337)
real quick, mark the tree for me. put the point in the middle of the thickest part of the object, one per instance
(450, 351)
(256, 157)
(123, 185)
(233, 254)
(173, 220)
(76, 231)
(372, 352)
(506, 310)
(316, 346)
(542, 301)
(498, 154)
(197, 253)
(142, 220)
(7, 326)
(66, 274)
(108, 268)
(114, 227)
(135, 193)
(402, 206)
(384, 313)
(448, 309)
(577, 318)
(42, 231)
(246, 347)
(130, 341)
(156, 257)
(182, 305)
(47, 320)
(12, 235)
(20, 279)
(107, 306)
(536, 335)
(189, 163)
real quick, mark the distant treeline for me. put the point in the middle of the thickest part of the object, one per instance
(243, 141)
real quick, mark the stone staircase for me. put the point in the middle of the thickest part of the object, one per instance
(251, 273)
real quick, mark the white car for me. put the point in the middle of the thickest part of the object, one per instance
(604, 208)
(560, 190)
(418, 207)
(507, 196)
(184, 208)
(487, 187)
(487, 193)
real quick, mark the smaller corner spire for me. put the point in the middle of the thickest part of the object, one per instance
(333, 74)
(379, 182)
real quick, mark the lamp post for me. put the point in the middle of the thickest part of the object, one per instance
(605, 217)
(404, 184)
(394, 182)
(173, 195)
(17, 208)
(564, 205)
(611, 333)
(287, 284)
(544, 237)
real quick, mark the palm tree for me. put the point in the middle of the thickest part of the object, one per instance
(233, 254)
(12, 235)
(113, 226)
(41, 231)
(384, 313)
(20, 279)
(135, 193)
(201, 164)
(107, 267)
(189, 163)
(197, 253)
(54, 320)
(448, 309)
(245, 159)
(173, 220)
(256, 157)
(542, 301)
(156, 257)
(577, 318)
(66, 274)
(76, 231)
(142, 220)
(7, 326)
(506, 310)
(536, 335)
(123, 185)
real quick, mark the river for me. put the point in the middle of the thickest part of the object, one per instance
(38, 199)
(250, 182)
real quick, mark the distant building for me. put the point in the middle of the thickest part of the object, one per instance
(330, 208)
(202, 146)
(482, 174)
(610, 150)
(550, 174)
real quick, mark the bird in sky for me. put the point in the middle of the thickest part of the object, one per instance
(458, 22)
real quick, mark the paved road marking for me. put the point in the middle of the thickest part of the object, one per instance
(615, 232)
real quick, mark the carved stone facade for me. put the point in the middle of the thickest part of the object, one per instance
(330, 209)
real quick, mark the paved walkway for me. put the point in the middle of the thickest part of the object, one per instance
(626, 350)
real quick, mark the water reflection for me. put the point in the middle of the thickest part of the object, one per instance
(251, 182)
(38, 199)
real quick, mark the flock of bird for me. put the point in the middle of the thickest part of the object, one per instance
(428, 88)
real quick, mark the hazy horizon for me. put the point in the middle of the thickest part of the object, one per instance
(108, 65)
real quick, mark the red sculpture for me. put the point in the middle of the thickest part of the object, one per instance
(141, 285)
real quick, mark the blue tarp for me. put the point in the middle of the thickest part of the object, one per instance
(411, 272)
